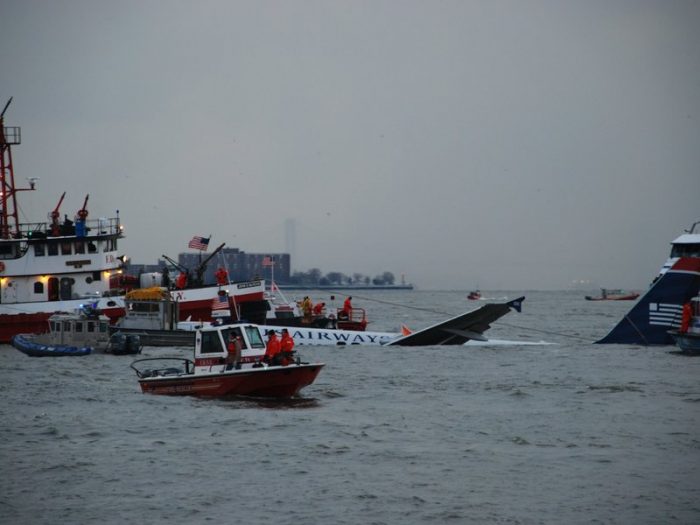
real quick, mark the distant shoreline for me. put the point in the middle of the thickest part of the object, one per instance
(345, 287)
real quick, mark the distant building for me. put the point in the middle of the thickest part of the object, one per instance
(241, 266)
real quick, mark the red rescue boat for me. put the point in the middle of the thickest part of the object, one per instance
(215, 373)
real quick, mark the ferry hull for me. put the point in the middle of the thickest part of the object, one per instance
(194, 304)
(275, 382)
(688, 342)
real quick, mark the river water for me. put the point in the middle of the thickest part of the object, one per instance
(568, 432)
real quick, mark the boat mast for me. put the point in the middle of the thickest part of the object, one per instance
(9, 222)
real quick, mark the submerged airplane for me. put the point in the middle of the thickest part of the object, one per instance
(458, 330)
(659, 309)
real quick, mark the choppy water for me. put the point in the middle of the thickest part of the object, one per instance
(565, 433)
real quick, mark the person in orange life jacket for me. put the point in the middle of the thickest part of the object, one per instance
(318, 308)
(181, 281)
(235, 346)
(287, 347)
(272, 349)
(221, 276)
(686, 316)
(347, 308)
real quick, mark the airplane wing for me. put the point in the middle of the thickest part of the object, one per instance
(459, 329)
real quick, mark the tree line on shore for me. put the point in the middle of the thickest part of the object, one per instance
(315, 277)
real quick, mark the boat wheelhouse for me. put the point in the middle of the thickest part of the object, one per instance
(685, 245)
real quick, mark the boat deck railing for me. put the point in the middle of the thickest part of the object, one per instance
(93, 227)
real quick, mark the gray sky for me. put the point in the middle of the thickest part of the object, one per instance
(499, 144)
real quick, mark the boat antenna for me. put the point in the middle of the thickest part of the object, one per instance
(9, 220)
(5, 108)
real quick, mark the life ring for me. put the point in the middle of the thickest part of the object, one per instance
(2, 266)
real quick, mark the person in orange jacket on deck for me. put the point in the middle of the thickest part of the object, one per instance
(287, 347)
(234, 348)
(687, 315)
(181, 281)
(346, 312)
(272, 349)
(318, 308)
(221, 276)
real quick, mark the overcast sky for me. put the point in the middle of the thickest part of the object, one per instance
(492, 144)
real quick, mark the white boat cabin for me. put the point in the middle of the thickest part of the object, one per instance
(212, 347)
(686, 245)
(77, 329)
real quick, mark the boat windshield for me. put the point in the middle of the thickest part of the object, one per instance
(210, 342)
(686, 250)
(254, 337)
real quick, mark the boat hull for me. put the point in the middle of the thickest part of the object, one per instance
(276, 382)
(194, 304)
(32, 349)
(688, 342)
(630, 297)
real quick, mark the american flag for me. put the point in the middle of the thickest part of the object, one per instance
(220, 302)
(199, 243)
(268, 261)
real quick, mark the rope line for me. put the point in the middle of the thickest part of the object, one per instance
(430, 310)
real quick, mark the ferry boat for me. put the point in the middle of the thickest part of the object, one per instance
(659, 311)
(217, 372)
(59, 265)
(685, 245)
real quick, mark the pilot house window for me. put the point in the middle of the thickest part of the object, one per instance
(211, 343)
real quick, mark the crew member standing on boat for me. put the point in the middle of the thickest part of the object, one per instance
(272, 349)
(181, 281)
(221, 276)
(165, 281)
(346, 312)
(318, 309)
(287, 347)
(234, 348)
(307, 308)
(686, 316)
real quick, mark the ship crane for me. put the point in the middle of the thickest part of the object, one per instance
(202, 266)
(176, 264)
(198, 279)
(55, 215)
(83, 212)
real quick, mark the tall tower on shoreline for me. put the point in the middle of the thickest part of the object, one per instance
(290, 238)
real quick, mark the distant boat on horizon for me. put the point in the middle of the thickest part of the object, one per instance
(610, 294)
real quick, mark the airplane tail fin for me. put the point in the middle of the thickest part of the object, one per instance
(517, 304)
(659, 309)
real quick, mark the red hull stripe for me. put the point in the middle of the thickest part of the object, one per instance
(276, 382)
(687, 264)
